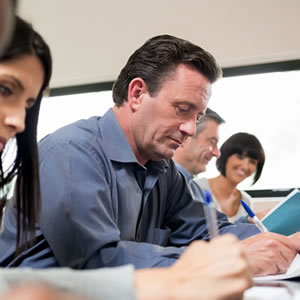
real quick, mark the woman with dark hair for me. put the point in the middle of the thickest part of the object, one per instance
(25, 70)
(241, 156)
(25, 74)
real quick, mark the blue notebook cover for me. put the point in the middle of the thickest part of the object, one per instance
(284, 218)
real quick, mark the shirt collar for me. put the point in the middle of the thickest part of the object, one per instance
(116, 144)
(184, 172)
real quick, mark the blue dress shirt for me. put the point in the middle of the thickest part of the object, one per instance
(101, 208)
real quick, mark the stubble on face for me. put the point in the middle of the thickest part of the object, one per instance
(163, 126)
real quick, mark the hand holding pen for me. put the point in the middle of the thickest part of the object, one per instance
(211, 215)
(254, 218)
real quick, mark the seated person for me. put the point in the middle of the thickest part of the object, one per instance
(196, 152)
(241, 156)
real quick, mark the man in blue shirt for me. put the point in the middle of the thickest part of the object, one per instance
(111, 192)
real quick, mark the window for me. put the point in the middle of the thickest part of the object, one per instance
(58, 111)
(266, 105)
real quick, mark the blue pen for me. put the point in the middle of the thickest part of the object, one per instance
(255, 219)
(210, 214)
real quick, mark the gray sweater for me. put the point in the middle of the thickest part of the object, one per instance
(106, 283)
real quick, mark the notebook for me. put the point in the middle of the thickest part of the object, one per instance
(284, 218)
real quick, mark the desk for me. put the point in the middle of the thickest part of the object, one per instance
(274, 290)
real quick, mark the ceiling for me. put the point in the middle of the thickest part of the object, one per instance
(92, 39)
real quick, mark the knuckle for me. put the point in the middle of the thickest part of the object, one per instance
(270, 243)
(271, 255)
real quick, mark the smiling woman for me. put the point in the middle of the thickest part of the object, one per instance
(241, 156)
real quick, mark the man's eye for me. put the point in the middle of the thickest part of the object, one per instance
(182, 109)
(4, 91)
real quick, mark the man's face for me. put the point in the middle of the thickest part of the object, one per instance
(165, 120)
(200, 150)
(6, 22)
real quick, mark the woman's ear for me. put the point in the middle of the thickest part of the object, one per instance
(137, 88)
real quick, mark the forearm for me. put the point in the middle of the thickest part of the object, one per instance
(141, 255)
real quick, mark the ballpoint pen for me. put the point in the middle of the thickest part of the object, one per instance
(210, 214)
(255, 219)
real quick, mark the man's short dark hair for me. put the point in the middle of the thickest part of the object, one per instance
(157, 59)
(209, 115)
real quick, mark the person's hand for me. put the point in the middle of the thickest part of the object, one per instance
(217, 270)
(270, 253)
(295, 239)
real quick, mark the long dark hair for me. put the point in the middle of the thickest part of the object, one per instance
(26, 41)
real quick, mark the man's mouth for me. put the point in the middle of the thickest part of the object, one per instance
(177, 141)
(207, 159)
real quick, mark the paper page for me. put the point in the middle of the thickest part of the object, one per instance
(267, 293)
(293, 271)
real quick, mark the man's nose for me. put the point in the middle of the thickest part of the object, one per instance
(188, 127)
(215, 151)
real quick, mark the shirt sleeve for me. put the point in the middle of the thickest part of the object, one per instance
(94, 284)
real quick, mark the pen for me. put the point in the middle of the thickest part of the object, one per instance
(255, 219)
(210, 214)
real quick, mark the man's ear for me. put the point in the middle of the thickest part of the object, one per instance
(137, 88)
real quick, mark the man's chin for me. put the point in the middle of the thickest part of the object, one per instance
(202, 168)
(163, 155)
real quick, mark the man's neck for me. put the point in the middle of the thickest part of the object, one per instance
(123, 114)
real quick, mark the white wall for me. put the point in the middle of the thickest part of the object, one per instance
(92, 39)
